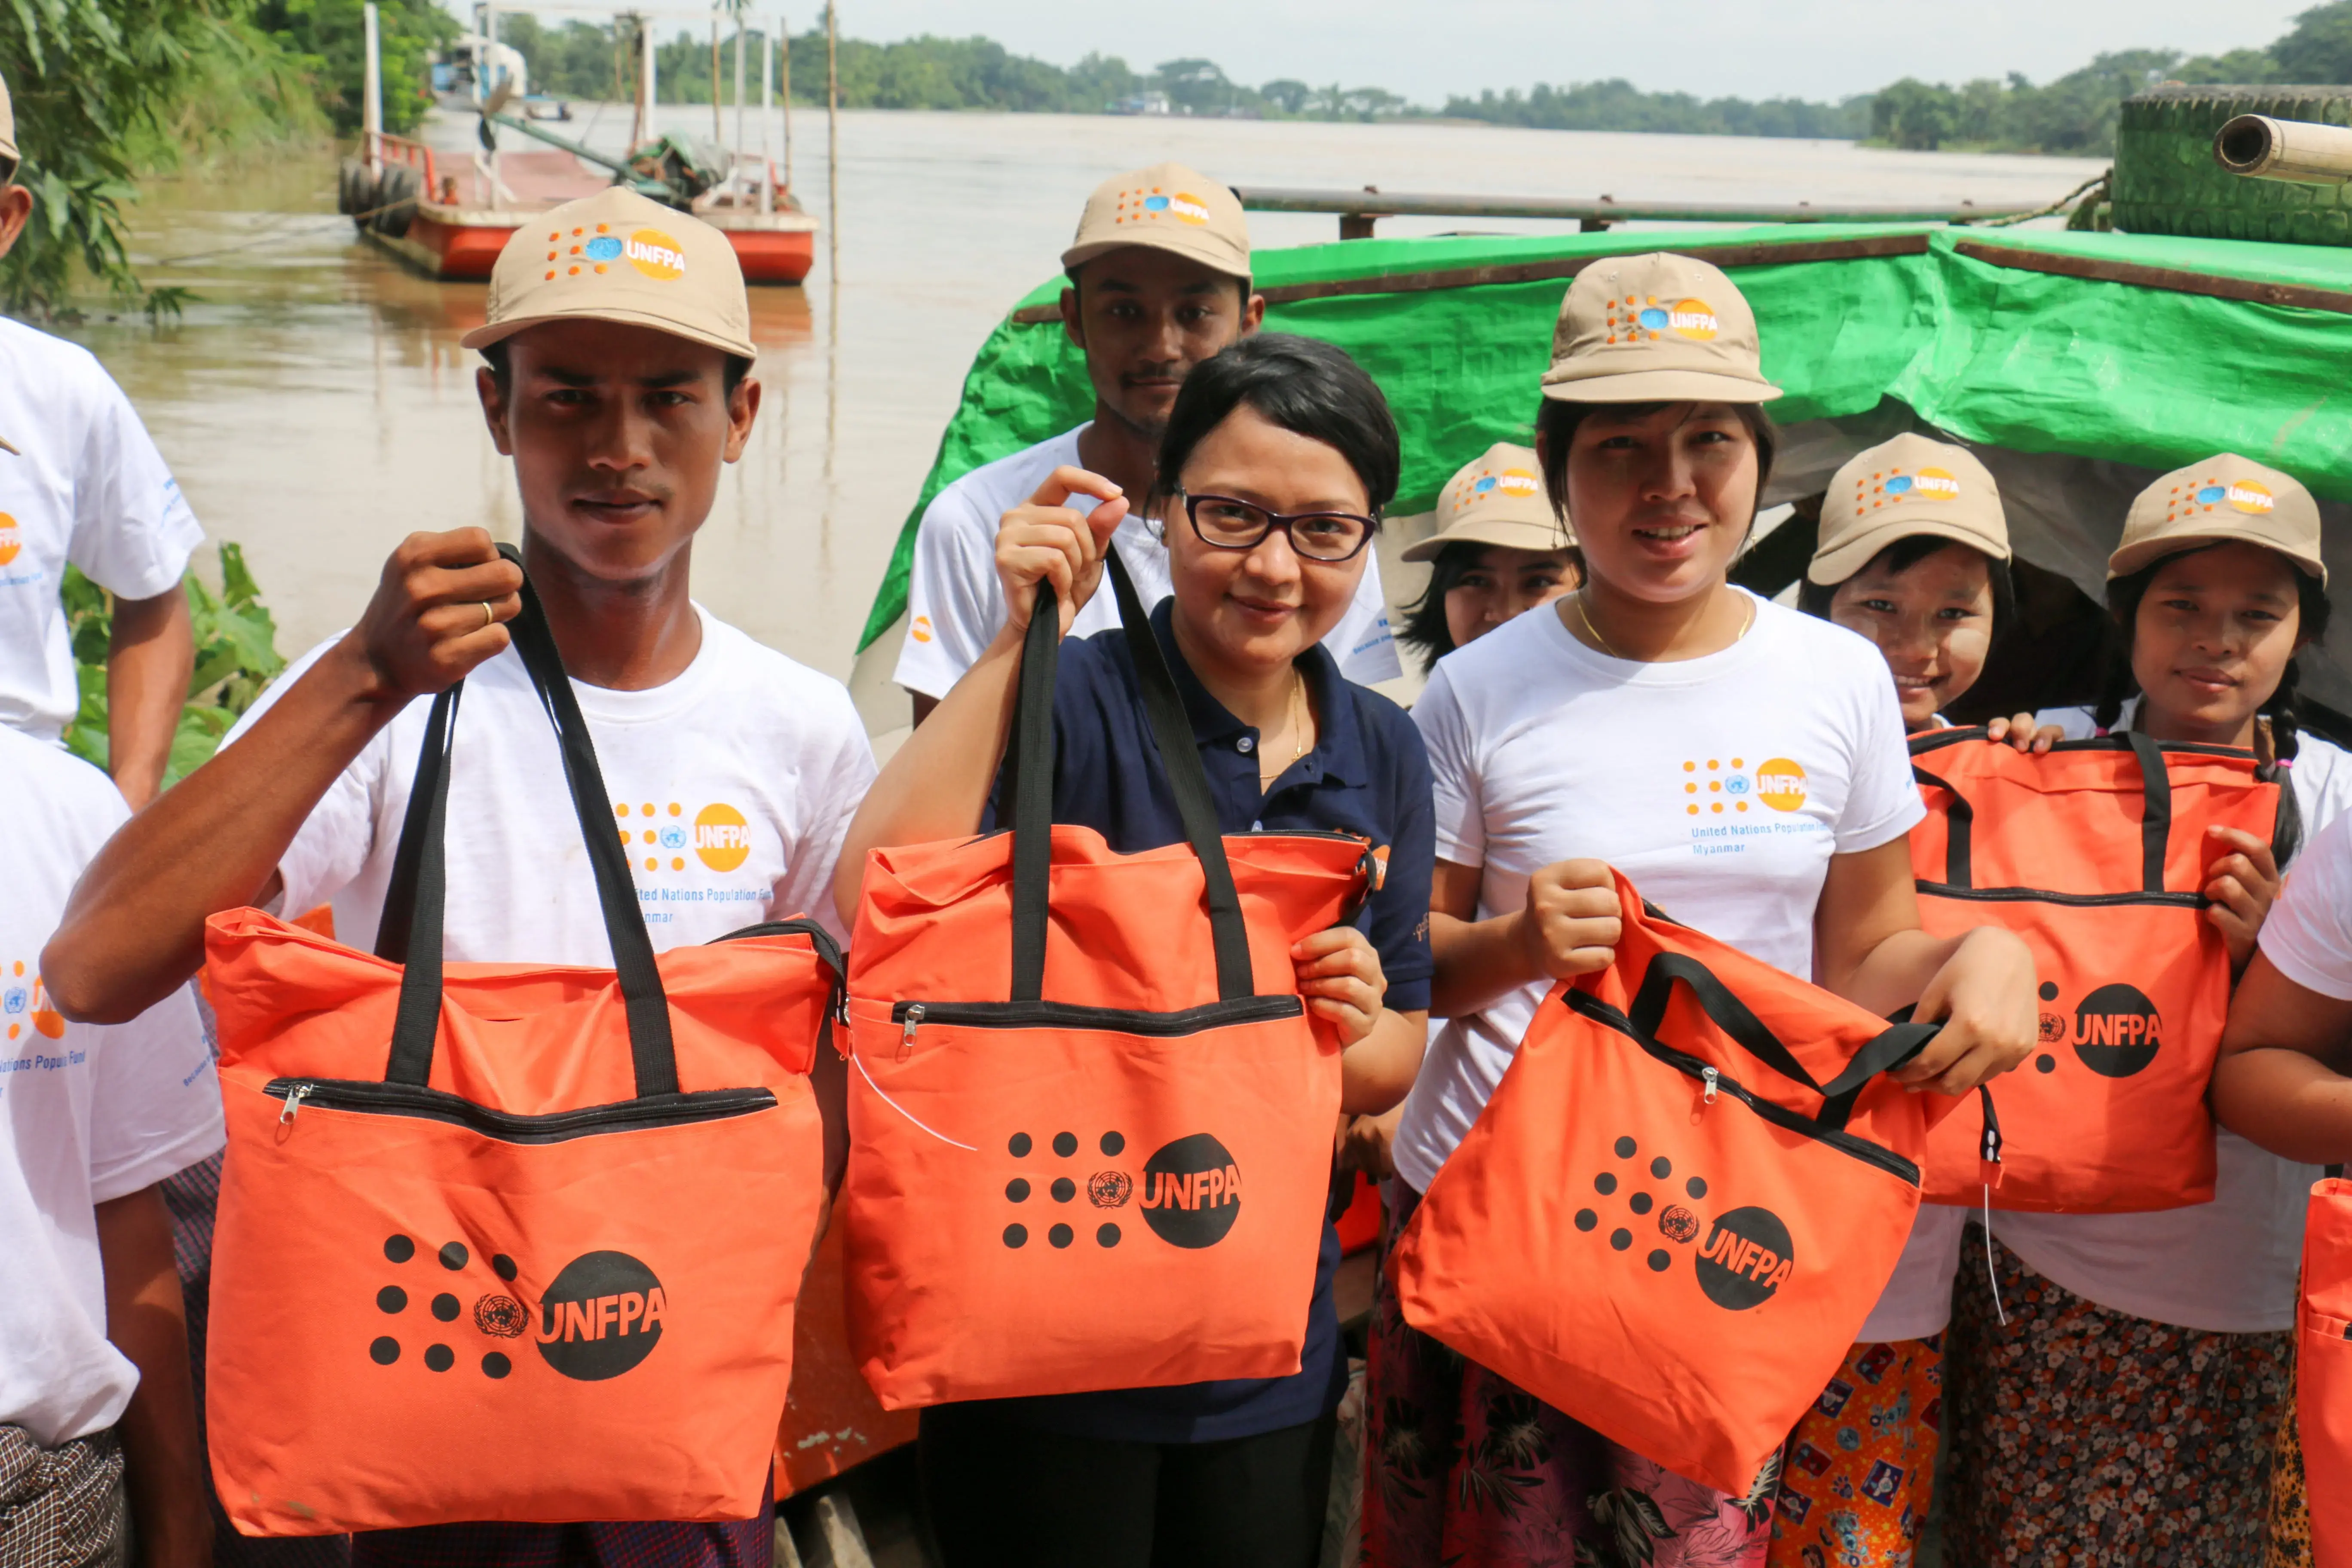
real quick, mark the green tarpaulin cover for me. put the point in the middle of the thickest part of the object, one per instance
(2143, 349)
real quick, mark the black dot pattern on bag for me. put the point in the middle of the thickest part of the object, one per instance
(1107, 1235)
(1661, 1260)
(385, 1351)
(1662, 1167)
(1625, 1147)
(445, 1307)
(1604, 1184)
(1016, 1235)
(391, 1299)
(1066, 1145)
(399, 1248)
(1586, 1219)
(1065, 1189)
(454, 1256)
(2045, 1062)
(496, 1365)
(504, 1268)
(1639, 1203)
(1621, 1239)
(2049, 991)
(1112, 1143)
(1696, 1186)
(440, 1358)
(1060, 1235)
(1019, 1145)
(1017, 1189)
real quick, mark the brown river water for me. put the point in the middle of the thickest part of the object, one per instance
(315, 407)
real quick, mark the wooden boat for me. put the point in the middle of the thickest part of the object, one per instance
(440, 213)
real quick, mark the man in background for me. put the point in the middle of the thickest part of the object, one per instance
(1160, 280)
(87, 488)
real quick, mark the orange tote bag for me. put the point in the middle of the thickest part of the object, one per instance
(506, 1241)
(1090, 1120)
(2094, 853)
(1681, 1203)
(2322, 1370)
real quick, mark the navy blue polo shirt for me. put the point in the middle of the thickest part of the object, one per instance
(1368, 775)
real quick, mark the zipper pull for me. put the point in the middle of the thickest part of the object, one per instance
(914, 1020)
(1707, 1075)
(294, 1099)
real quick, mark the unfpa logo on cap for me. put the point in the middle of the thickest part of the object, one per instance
(1694, 319)
(1927, 484)
(2248, 496)
(1183, 206)
(655, 255)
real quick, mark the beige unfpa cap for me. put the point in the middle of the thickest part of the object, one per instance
(1497, 499)
(2222, 499)
(620, 256)
(1169, 207)
(7, 124)
(1655, 328)
(1905, 488)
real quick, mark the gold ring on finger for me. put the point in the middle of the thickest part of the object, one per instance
(489, 615)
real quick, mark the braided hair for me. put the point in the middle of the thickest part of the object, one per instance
(2124, 596)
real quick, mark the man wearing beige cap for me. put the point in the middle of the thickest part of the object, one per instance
(89, 489)
(618, 341)
(1160, 280)
(1498, 553)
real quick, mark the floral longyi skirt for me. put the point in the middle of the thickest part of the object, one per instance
(1467, 1470)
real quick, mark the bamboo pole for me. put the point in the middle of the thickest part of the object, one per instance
(371, 96)
(718, 128)
(785, 27)
(739, 36)
(766, 120)
(832, 142)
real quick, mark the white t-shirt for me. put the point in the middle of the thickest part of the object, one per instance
(88, 1114)
(1720, 785)
(87, 487)
(733, 783)
(2224, 1266)
(955, 606)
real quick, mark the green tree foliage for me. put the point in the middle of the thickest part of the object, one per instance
(104, 89)
(237, 656)
(1618, 105)
(327, 39)
(2318, 48)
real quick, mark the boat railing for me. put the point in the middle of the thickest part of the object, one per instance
(749, 182)
(381, 148)
(1358, 211)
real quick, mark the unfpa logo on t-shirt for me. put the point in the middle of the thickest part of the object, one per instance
(720, 834)
(22, 1002)
(12, 539)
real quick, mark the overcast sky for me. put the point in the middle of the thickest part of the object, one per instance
(1425, 49)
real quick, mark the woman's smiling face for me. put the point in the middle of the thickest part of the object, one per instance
(2212, 640)
(1932, 620)
(1664, 498)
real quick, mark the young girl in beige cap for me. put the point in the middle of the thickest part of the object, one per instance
(2125, 1412)
(1628, 726)
(1914, 556)
(1498, 553)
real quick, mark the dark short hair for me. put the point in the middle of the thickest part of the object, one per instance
(2124, 596)
(502, 369)
(1248, 285)
(1899, 557)
(1425, 626)
(1557, 422)
(1304, 385)
(9, 167)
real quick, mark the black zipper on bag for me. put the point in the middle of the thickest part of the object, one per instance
(1780, 1115)
(1937, 740)
(2073, 900)
(819, 938)
(1115, 1020)
(378, 1098)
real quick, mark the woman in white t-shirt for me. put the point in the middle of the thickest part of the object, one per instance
(1745, 765)
(2159, 1442)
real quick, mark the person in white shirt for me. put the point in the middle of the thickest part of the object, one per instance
(87, 488)
(1742, 763)
(621, 395)
(1160, 280)
(2216, 584)
(97, 1432)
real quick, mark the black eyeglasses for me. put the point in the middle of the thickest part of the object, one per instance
(1225, 524)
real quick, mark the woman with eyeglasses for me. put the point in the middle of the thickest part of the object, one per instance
(1279, 455)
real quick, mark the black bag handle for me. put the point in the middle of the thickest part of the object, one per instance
(2155, 827)
(1030, 754)
(411, 931)
(1890, 1048)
